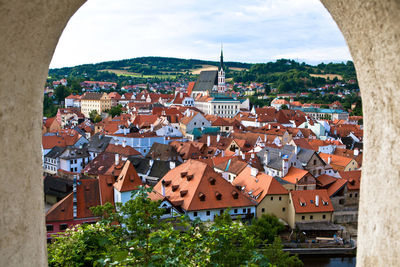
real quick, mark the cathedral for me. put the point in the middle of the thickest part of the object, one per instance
(210, 81)
(209, 93)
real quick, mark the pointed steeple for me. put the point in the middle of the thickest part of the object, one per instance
(221, 63)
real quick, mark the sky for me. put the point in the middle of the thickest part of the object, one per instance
(250, 31)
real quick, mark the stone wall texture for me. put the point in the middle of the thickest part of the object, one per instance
(29, 33)
(372, 31)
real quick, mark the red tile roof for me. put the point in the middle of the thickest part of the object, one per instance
(120, 149)
(308, 200)
(259, 186)
(294, 175)
(128, 180)
(353, 178)
(194, 185)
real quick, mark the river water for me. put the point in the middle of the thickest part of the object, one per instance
(327, 261)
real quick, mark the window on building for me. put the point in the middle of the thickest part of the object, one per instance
(195, 214)
(208, 213)
(283, 209)
(244, 210)
(272, 198)
(280, 198)
(235, 211)
(303, 217)
(262, 210)
(221, 212)
(315, 162)
(323, 216)
(351, 195)
(71, 161)
(63, 227)
(311, 217)
(49, 227)
(355, 195)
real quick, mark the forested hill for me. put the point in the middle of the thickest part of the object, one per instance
(284, 74)
(145, 66)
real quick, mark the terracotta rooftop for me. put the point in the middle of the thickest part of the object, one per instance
(258, 186)
(128, 180)
(194, 185)
(305, 201)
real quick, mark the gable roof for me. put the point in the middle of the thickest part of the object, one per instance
(128, 180)
(194, 185)
(308, 200)
(87, 195)
(162, 152)
(206, 81)
(120, 149)
(353, 178)
(259, 186)
(337, 162)
(294, 175)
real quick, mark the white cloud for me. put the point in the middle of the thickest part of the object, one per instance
(252, 31)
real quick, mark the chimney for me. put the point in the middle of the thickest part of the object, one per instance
(266, 158)
(243, 157)
(317, 200)
(284, 167)
(253, 172)
(116, 159)
(75, 208)
(151, 127)
(223, 153)
(123, 143)
(269, 126)
(163, 188)
(208, 140)
(329, 159)
(125, 130)
(356, 152)
(181, 95)
(265, 138)
(218, 138)
(279, 127)
(172, 165)
(296, 150)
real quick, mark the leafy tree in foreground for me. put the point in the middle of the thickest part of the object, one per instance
(135, 235)
(94, 116)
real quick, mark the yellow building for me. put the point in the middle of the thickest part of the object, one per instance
(308, 206)
(95, 101)
(340, 163)
(271, 196)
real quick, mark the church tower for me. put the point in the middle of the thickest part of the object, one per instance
(221, 75)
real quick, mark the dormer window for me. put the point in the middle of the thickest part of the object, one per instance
(183, 193)
(235, 194)
(202, 196)
(218, 195)
(175, 187)
(183, 174)
(212, 180)
(189, 177)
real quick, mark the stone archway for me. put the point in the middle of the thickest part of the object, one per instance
(29, 33)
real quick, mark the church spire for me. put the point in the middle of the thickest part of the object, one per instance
(221, 63)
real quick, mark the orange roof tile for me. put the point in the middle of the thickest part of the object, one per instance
(294, 175)
(128, 180)
(194, 185)
(353, 178)
(308, 198)
(260, 186)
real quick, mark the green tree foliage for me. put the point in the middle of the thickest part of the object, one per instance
(115, 111)
(284, 107)
(49, 109)
(266, 228)
(94, 116)
(61, 92)
(135, 235)
(279, 258)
